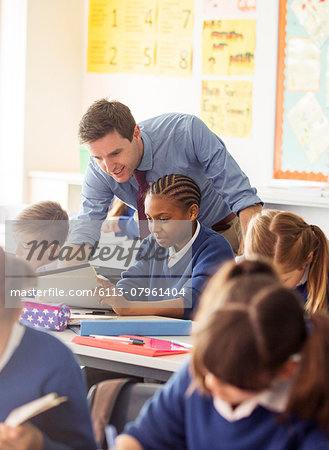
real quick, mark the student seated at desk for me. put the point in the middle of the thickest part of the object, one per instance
(43, 222)
(258, 378)
(298, 250)
(32, 364)
(175, 261)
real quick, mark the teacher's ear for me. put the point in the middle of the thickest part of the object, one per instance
(137, 133)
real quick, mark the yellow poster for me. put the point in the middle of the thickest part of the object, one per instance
(176, 18)
(228, 47)
(226, 107)
(140, 36)
(174, 58)
(121, 36)
(174, 40)
(104, 32)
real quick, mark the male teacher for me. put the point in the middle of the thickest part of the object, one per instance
(170, 143)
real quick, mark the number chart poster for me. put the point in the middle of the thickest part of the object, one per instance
(141, 36)
(226, 107)
(302, 111)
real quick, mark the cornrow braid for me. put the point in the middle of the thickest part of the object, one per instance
(177, 187)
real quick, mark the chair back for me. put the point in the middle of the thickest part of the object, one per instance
(117, 402)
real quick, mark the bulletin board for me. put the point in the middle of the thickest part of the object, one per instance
(248, 98)
(302, 109)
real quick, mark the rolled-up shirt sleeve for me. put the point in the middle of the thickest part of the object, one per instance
(96, 198)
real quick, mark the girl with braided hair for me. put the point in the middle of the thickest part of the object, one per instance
(175, 261)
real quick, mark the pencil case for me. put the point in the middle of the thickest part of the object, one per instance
(47, 316)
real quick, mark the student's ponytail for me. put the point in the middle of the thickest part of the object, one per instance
(296, 241)
(317, 282)
(309, 397)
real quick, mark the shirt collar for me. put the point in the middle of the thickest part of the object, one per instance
(174, 256)
(305, 276)
(147, 160)
(14, 340)
(274, 399)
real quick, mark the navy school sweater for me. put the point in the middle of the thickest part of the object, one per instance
(186, 279)
(176, 420)
(41, 364)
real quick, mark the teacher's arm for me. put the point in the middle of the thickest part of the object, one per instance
(85, 230)
(221, 169)
(246, 214)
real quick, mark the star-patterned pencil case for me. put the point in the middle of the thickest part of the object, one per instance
(47, 316)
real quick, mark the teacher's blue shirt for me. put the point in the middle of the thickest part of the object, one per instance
(173, 143)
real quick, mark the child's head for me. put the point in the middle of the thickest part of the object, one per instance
(232, 270)
(292, 244)
(171, 206)
(253, 333)
(253, 326)
(15, 275)
(47, 225)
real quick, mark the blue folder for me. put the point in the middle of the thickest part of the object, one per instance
(167, 327)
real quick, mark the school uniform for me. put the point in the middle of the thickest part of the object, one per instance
(169, 274)
(176, 419)
(302, 289)
(35, 364)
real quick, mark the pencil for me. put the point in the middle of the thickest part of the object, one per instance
(118, 338)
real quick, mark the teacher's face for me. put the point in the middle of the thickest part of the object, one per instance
(117, 156)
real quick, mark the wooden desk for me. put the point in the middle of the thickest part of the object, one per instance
(158, 368)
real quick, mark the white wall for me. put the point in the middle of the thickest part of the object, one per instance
(54, 68)
(12, 95)
(48, 95)
(148, 96)
(41, 70)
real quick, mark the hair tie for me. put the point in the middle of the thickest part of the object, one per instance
(312, 228)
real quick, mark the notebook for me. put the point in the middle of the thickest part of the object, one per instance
(74, 285)
(28, 410)
(151, 346)
(152, 326)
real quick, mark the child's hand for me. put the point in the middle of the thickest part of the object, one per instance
(110, 295)
(111, 225)
(23, 437)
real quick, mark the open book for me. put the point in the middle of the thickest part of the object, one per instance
(25, 412)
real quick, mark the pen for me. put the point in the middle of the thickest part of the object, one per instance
(96, 313)
(97, 275)
(182, 344)
(118, 338)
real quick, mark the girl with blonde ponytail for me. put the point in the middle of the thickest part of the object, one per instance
(298, 250)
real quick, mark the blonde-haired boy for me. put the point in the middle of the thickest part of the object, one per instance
(40, 230)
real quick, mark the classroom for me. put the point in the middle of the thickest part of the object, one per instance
(164, 228)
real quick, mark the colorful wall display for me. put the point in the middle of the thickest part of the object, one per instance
(302, 113)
